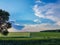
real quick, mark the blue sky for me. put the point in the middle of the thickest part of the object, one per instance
(43, 11)
(48, 11)
(18, 9)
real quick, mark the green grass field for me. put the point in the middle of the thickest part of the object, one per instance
(16, 34)
(30, 35)
(30, 38)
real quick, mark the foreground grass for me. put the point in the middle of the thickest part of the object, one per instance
(30, 38)
(31, 42)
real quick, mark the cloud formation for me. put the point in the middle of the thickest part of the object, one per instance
(48, 11)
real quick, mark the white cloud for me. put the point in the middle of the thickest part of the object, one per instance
(38, 1)
(37, 21)
(49, 11)
(35, 28)
(37, 11)
(58, 23)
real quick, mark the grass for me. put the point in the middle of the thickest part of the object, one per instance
(46, 34)
(31, 42)
(30, 36)
(17, 34)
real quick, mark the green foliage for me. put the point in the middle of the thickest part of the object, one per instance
(4, 15)
(9, 25)
(5, 32)
(55, 30)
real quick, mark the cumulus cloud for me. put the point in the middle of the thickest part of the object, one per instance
(37, 21)
(49, 11)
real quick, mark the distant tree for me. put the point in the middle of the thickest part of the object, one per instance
(4, 24)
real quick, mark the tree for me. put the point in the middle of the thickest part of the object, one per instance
(4, 15)
(4, 24)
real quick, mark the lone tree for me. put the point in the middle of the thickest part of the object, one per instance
(4, 24)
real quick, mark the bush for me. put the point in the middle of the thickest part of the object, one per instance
(4, 32)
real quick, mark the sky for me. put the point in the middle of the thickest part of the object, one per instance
(46, 12)
(18, 9)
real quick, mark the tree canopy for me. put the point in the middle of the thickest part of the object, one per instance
(4, 15)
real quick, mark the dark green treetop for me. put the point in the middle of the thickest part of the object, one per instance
(4, 15)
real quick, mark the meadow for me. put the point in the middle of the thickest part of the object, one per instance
(30, 38)
(30, 35)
